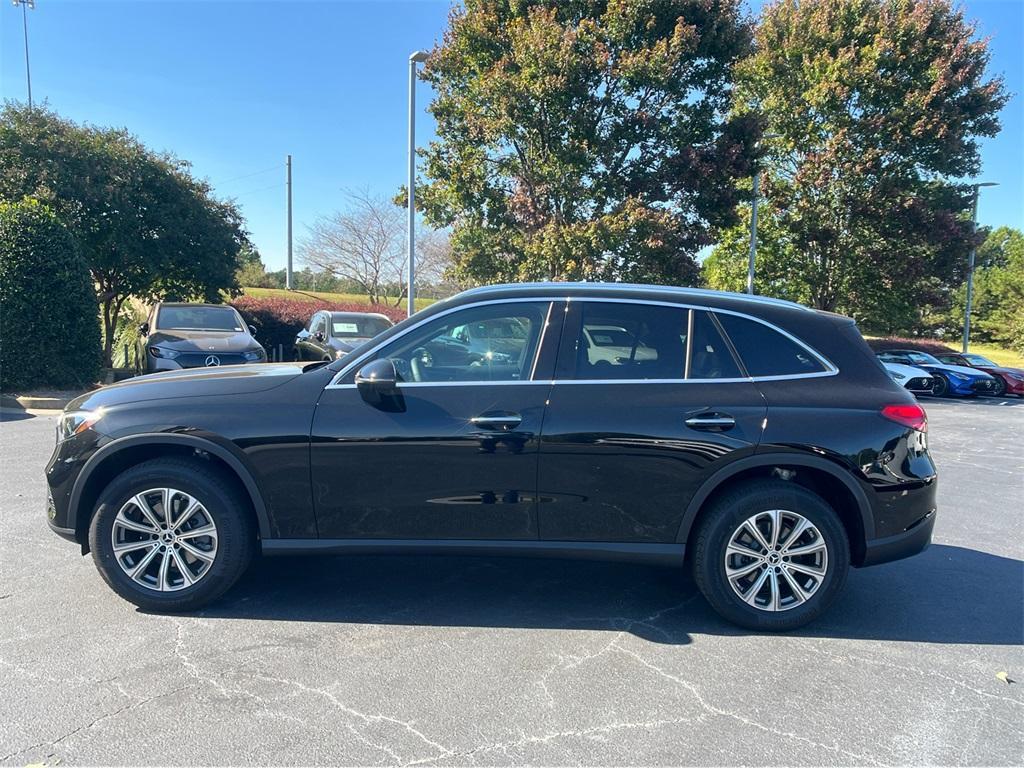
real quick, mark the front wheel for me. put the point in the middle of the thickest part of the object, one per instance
(171, 535)
(999, 388)
(940, 387)
(771, 556)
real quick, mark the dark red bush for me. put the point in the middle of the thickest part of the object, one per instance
(278, 320)
(931, 346)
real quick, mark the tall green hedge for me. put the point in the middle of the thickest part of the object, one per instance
(49, 321)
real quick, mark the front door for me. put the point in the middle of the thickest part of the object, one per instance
(648, 400)
(454, 455)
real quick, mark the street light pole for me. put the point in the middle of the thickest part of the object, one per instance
(970, 262)
(25, 5)
(753, 231)
(755, 189)
(417, 57)
(288, 276)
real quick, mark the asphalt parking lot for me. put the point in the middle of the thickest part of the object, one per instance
(438, 661)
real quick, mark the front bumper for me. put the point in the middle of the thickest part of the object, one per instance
(920, 385)
(968, 386)
(983, 386)
(910, 542)
(1013, 386)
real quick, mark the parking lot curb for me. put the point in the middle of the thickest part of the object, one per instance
(30, 403)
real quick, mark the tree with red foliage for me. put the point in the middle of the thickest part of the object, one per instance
(874, 108)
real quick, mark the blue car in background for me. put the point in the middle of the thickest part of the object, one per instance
(948, 379)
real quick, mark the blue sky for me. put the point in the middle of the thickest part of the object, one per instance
(235, 86)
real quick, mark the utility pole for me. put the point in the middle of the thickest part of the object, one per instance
(288, 271)
(970, 262)
(25, 6)
(416, 58)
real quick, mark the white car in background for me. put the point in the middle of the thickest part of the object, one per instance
(915, 380)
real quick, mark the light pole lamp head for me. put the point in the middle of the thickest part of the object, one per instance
(31, 4)
(418, 57)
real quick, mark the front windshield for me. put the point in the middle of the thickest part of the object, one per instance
(187, 318)
(921, 357)
(979, 360)
(357, 326)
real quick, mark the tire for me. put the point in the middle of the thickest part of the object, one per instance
(225, 555)
(940, 387)
(999, 390)
(757, 500)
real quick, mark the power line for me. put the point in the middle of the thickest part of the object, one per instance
(249, 175)
(260, 189)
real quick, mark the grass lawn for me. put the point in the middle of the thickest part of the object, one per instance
(355, 298)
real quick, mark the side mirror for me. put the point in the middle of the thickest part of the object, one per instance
(144, 329)
(252, 330)
(377, 381)
(302, 335)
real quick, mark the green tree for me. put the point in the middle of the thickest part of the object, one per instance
(997, 311)
(873, 105)
(49, 331)
(585, 139)
(143, 224)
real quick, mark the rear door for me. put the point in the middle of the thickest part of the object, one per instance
(648, 401)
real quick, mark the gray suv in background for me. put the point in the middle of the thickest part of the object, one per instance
(329, 335)
(195, 336)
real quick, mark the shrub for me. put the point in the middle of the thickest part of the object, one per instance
(931, 346)
(49, 323)
(278, 320)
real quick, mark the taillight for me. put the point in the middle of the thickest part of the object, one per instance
(912, 416)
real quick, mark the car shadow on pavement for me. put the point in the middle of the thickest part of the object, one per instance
(11, 414)
(945, 595)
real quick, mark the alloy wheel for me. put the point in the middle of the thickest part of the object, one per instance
(164, 539)
(776, 560)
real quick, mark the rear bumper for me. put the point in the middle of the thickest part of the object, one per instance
(910, 542)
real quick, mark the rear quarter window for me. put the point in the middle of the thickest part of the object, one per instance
(766, 352)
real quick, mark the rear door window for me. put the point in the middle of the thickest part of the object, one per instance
(710, 356)
(766, 352)
(631, 341)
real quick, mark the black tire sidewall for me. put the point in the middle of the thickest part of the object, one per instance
(941, 387)
(727, 515)
(999, 389)
(234, 532)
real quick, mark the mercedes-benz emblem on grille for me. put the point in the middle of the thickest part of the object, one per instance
(212, 360)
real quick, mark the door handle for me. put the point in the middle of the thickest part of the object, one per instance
(504, 421)
(711, 421)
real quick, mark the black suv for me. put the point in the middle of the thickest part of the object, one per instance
(756, 440)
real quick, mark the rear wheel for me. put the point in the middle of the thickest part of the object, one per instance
(771, 556)
(171, 535)
(940, 387)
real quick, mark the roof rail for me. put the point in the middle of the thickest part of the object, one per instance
(618, 287)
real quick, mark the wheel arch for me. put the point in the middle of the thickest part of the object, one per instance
(818, 474)
(123, 453)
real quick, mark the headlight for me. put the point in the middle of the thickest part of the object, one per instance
(254, 354)
(170, 354)
(898, 376)
(72, 423)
